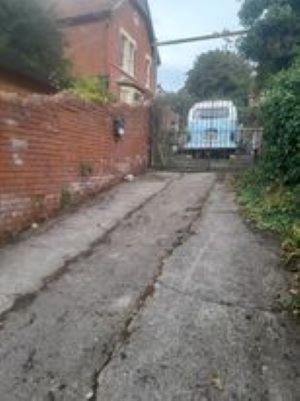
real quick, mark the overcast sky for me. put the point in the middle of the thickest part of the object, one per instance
(183, 18)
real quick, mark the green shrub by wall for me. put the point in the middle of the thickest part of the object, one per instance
(92, 89)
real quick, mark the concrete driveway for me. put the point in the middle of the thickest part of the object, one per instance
(177, 302)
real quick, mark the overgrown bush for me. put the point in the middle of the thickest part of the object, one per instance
(280, 111)
(31, 41)
(275, 207)
(272, 206)
(92, 89)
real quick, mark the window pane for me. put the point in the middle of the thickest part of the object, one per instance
(128, 55)
(218, 112)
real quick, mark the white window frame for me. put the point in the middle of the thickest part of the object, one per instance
(148, 60)
(130, 95)
(124, 95)
(128, 66)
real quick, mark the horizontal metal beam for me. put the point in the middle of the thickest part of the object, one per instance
(225, 34)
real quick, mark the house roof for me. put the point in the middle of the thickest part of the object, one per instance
(69, 9)
(80, 11)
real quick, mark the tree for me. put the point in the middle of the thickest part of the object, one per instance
(274, 34)
(280, 111)
(31, 41)
(220, 75)
(180, 102)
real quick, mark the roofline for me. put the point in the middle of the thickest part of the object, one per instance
(212, 102)
(85, 18)
(97, 16)
(151, 31)
(90, 17)
(115, 7)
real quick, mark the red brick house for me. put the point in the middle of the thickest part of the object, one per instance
(113, 39)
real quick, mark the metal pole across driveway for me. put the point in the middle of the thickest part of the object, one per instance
(225, 34)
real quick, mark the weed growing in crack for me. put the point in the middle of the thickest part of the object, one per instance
(65, 198)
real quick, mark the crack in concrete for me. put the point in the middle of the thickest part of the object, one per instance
(23, 301)
(29, 363)
(181, 238)
(247, 308)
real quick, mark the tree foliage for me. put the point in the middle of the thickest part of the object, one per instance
(281, 119)
(92, 89)
(30, 39)
(274, 34)
(180, 102)
(220, 74)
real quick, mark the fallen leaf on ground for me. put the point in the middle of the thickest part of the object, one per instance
(216, 381)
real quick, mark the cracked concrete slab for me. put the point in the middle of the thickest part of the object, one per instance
(212, 331)
(54, 346)
(25, 266)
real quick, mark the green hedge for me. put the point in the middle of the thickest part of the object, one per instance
(280, 113)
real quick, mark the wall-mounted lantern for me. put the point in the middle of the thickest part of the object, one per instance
(119, 127)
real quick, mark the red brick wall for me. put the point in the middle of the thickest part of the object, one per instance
(48, 144)
(86, 47)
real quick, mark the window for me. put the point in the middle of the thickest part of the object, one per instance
(218, 112)
(148, 71)
(128, 48)
(125, 95)
(130, 95)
